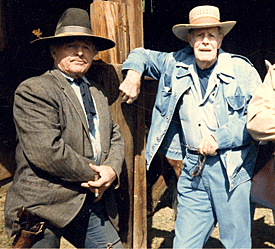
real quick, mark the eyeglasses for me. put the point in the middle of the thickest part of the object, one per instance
(197, 169)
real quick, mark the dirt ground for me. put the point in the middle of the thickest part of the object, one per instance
(161, 227)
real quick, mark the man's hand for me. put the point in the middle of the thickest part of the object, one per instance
(130, 87)
(208, 146)
(106, 177)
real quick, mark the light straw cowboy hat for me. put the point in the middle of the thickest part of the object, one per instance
(75, 23)
(202, 17)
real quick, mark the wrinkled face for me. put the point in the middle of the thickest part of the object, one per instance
(205, 42)
(73, 58)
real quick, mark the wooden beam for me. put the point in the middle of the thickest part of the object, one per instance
(140, 184)
(109, 19)
(135, 19)
(122, 21)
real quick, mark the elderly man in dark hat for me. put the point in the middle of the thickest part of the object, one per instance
(199, 117)
(65, 137)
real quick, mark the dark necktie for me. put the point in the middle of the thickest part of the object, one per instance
(87, 101)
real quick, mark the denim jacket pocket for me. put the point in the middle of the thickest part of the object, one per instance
(236, 103)
(164, 95)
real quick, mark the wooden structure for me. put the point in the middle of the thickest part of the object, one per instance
(112, 19)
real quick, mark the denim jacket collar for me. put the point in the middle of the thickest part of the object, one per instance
(224, 68)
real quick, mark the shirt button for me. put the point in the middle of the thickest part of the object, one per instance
(199, 125)
(166, 117)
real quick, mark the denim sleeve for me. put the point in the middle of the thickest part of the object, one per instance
(148, 62)
(234, 133)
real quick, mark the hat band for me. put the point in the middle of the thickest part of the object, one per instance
(205, 20)
(73, 29)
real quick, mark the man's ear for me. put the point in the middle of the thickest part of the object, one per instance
(220, 41)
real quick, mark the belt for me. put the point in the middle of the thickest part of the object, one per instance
(194, 152)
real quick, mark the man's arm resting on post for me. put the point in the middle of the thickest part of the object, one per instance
(130, 87)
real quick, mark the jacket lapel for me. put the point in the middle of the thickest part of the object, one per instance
(70, 94)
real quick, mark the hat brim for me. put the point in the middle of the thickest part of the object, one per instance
(100, 42)
(181, 30)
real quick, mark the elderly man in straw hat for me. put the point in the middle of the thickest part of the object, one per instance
(199, 117)
(65, 137)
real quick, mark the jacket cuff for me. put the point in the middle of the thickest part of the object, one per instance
(127, 65)
(222, 137)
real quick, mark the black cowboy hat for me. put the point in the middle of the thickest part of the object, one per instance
(75, 23)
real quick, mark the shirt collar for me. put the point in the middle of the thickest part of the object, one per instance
(71, 79)
(224, 66)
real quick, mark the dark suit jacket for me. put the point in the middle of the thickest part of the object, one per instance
(54, 150)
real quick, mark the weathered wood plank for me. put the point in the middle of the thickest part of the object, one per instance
(122, 21)
(109, 20)
(135, 19)
(140, 184)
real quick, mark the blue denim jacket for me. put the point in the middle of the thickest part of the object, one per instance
(237, 80)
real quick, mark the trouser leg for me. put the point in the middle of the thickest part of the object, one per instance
(234, 218)
(195, 219)
(232, 208)
(206, 199)
(92, 229)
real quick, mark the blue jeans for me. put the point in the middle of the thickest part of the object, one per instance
(89, 229)
(205, 200)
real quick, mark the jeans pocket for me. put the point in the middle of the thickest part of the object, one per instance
(189, 163)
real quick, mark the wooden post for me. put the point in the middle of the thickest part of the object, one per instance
(140, 184)
(135, 22)
(109, 19)
(121, 21)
